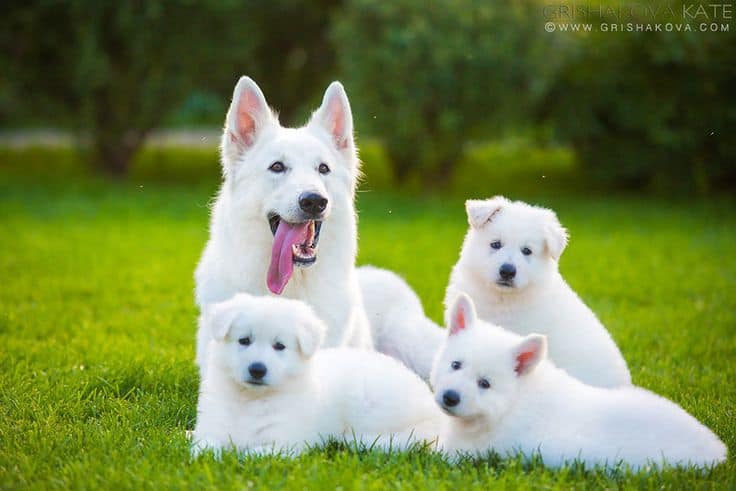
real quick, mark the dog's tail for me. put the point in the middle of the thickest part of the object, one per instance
(398, 324)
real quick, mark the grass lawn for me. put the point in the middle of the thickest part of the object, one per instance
(97, 326)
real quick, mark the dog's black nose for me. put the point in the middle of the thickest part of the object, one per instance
(257, 370)
(312, 203)
(451, 398)
(507, 271)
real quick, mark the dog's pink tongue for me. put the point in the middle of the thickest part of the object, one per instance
(282, 265)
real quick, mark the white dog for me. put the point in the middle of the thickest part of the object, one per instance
(398, 324)
(508, 266)
(504, 395)
(269, 388)
(284, 221)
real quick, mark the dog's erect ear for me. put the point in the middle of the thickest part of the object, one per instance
(482, 211)
(334, 117)
(310, 334)
(248, 115)
(219, 317)
(529, 353)
(555, 235)
(462, 314)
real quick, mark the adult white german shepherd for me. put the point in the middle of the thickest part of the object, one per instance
(284, 220)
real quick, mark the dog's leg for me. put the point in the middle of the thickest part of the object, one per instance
(203, 341)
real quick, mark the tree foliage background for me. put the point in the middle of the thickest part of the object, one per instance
(650, 111)
(116, 70)
(641, 110)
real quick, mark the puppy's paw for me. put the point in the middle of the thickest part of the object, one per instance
(260, 451)
(266, 450)
(204, 446)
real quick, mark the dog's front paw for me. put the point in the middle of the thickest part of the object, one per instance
(260, 451)
(266, 450)
(203, 446)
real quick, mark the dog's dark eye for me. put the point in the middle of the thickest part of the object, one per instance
(324, 168)
(496, 244)
(484, 383)
(456, 365)
(277, 167)
(244, 341)
(279, 347)
(526, 251)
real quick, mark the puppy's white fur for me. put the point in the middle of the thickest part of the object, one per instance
(398, 324)
(532, 406)
(237, 256)
(538, 299)
(307, 394)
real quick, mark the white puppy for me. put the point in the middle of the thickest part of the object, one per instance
(504, 395)
(398, 324)
(509, 267)
(269, 388)
(284, 221)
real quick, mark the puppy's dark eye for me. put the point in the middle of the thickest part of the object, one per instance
(496, 244)
(245, 341)
(279, 347)
(324, 168)
(456, 365)
(526, 251)
(484, 383)
(277, 167)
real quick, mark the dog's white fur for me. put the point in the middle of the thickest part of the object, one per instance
(398, 324)
(539, 300)
(308, 394)
(532, 406)
(236, 258)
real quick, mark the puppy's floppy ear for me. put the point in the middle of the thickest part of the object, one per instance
(529, 353)
(462, 314)
(335, 117)
(219, 317)
(482, 211)
(310, 333)
(248, 115)
(555, 235)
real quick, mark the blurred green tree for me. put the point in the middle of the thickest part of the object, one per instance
(649, 110)
(115, 70)
(431, 75)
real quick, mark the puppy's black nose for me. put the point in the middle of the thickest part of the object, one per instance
(451, 398)
(312, 203)
(257, 370)
(507, 271)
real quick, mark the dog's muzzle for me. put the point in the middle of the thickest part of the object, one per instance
(304, 253)
(448, 401)
(506, 274)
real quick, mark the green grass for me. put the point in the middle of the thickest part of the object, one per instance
(97, 327)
